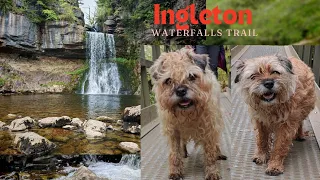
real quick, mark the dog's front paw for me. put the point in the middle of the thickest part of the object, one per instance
(222, 157)
(260, 159)
(274, 170)
(213, 176)
(300, 138)
(176, 176)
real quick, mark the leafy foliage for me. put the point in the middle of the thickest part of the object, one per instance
(79, 71)
(68, 13)
(50, 15)
(6, 6)
(276, 22)
(128, 72)
(39, 11)
(2, 82)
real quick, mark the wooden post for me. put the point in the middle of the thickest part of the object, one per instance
(155, 52)
(316, 64)
(307, 55)
(300, 51)
(145, 93)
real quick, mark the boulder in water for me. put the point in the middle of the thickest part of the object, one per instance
(55, 121)
(2, 124)
(130, 147)
(11, 116)
(105, 118)
(119, 122)
(132, 114)
(110, 127)
(69, 127)
(21, 124)
(131, 119)
(94, 129)
(76, 122)
(133, 129)
(31, 143)
(84, 173)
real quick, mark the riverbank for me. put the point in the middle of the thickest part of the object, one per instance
(21, 74)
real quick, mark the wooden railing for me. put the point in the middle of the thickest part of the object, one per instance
(311, 56)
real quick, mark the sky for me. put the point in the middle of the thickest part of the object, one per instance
(88, 4)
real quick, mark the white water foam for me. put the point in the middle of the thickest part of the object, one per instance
(127, 169)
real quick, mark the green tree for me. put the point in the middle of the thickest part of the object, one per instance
(6, 6)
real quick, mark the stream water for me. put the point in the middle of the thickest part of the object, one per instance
(73, 105)
(70, 142)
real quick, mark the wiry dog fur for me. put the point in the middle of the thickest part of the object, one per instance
(279, 109)
(195, 115)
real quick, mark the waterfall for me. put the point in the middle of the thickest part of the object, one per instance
(131, 160)
(103, 76)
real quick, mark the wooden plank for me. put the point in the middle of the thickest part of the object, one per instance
(142, 53)
(316, 64)
(300, 51)
(236, 53)
(146, 63)
(148, 114)
(145, 88)
(307, 54)
(291, 51)
(145, 93)
(155, 52)
(314, 117)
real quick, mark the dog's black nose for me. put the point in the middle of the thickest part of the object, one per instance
(181, 91)
(268, 84)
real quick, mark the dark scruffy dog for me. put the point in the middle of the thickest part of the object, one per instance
(280, 93)
(187, 94)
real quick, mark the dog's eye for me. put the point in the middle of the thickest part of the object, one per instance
(168, 81)
(252, 77)
(192, 77)
(275, 72)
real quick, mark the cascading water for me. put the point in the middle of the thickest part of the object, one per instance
(103, 76)
(127, 168)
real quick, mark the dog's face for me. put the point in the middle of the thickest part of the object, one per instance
(266, 80)
(181, 81)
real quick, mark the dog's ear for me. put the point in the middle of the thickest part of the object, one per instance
(239, 66)
(286, 63)
(155, 70)
(201, 60)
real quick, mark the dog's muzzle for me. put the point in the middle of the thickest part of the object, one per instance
(181, 91)
(184, 101)
(270, 94)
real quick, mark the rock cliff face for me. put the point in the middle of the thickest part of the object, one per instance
(18, 32)
(53, 38)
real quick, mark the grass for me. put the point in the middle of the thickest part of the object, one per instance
(53, 83)
(79, 71)
(2, 82)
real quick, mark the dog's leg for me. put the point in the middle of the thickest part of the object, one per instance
(261, 154)
(220, 155)
(184, 148)
(211, 156)
(283, 139)
(175, 159)
(300, 134)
